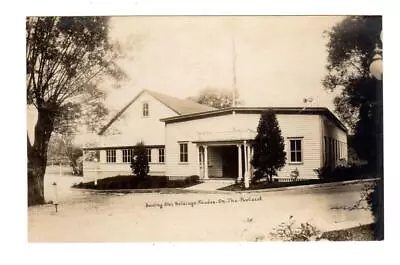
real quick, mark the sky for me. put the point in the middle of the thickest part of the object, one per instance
(280, 60)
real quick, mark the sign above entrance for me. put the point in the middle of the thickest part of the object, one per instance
(226, 136)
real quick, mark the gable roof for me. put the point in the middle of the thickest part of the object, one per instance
(179, 106)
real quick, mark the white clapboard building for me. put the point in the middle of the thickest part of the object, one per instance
(185, 138)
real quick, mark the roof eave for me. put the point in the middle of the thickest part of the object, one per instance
(279, 110)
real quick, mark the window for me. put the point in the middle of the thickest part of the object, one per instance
(111, 156)
(334, 150)
(127, 155)
(183, 151)
(295, 151)
(337, 150)
(161, 155)
(326, 150)
(145, 109)
(341, 150)
(149, 155)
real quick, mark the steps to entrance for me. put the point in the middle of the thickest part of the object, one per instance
(211, 185)
(221, 180)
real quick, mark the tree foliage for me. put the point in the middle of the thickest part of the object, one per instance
(375, 202)
(269, 147)
(140, 162)
(217, 98)
(61, 149)
(66, 58)
(351, 45)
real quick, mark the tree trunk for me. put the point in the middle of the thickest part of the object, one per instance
(269, 178)
(37, 156)
(36, 171)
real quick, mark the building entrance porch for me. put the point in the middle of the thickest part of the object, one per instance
(225, 160)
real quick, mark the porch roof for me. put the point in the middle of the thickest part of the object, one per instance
(226, 136)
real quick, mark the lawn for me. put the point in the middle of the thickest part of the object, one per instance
(133, 182)
(274, 184)
(326, 175)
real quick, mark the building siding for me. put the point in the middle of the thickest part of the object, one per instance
(103, 169)
(330, 131)
(129, 129)
(132, 127)
(306, 126)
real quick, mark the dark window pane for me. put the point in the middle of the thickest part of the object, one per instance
(298, 145)
(183, 149)
(161, 155)
(145, 109)
(299, 157)
(292, 145)
(149, 155)
(293, 156)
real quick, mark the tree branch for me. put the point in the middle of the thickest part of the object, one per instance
(60, 85)
(43, 57)
(62, 99)
(63, 53)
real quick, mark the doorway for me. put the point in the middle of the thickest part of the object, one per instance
(229, 158)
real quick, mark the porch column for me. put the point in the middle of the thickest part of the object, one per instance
(245, 156)
(246, 165)
(248, 160)
(240, 169)
(205, 162)
(198, 160)
(250, 165)
(202, 162)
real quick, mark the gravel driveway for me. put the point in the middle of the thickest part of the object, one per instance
(153, 217)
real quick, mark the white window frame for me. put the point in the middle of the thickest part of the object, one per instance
(183, 154)
(148, 155)
(161, 155)
(296, 151)
(127, 155)
(145, 109)
(111, 156)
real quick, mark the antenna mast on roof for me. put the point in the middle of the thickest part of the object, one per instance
(233, 64)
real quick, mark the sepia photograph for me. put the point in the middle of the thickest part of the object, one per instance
(204, 128)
